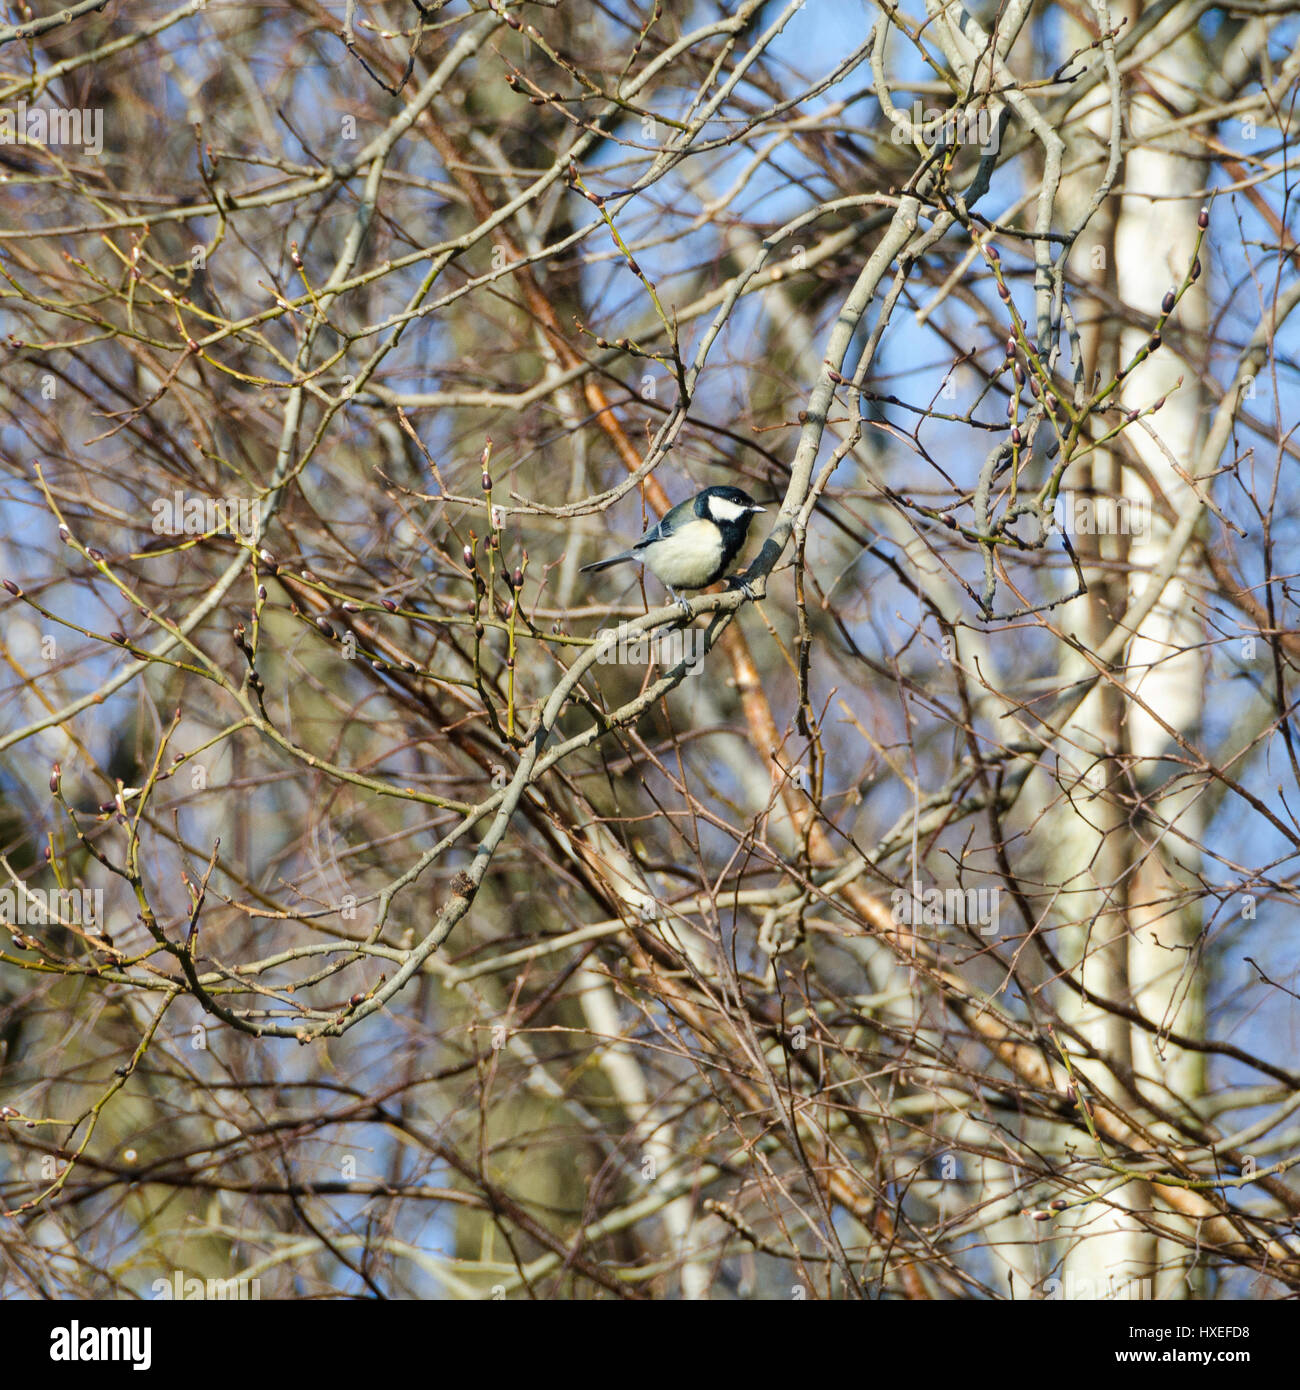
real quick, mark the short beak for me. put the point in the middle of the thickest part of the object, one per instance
(757, 509)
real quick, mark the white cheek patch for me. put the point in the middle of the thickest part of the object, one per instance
(722, 510)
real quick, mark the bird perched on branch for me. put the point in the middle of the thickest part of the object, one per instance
(695, 544)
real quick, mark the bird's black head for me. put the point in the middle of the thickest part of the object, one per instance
(729, 507)
(731, 511)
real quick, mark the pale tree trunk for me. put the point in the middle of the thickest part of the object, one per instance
(1135, 942)
(1154, 247)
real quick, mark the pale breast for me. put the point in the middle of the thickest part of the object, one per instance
(689, 557)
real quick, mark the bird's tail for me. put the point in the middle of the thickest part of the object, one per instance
(605, 564)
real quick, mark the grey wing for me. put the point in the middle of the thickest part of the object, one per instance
(655, 533)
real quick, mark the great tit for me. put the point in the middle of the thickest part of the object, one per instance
(695, 543)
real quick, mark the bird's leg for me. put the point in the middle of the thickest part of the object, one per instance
(738, 581)
(682, 603)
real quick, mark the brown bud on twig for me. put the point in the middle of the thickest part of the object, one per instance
(1016, 437)
(93, 553)
(12, 587)
(1203, 218)
(1196, 268)
(118, 637)
(1167, 303)
(325, 627)
(55, 775)
(1155, 342)
(389, 604)
(65, 535)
